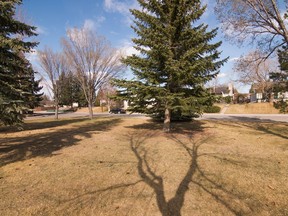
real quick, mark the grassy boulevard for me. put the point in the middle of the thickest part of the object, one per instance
(113, 166)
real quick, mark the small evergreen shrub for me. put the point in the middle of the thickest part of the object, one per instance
(212, 109)
(228, 99)
(281, 105)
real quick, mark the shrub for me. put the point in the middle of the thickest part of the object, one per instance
(228, 99)
(212, 109)
(281, 105)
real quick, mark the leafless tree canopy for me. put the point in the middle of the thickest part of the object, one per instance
(251, 71)
(259, 21)
(53, 66)
(92, 59)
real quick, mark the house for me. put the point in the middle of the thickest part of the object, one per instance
(281, 95)
(224, 91)
(260, 92)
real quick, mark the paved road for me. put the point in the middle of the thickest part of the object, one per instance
(231, 117)
(248, 117)
(41, 115)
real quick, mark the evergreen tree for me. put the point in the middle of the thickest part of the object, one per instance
(70, 90)
(176, 60)
(29, 86)
(66, 89)
(280, 79)
(17, 81)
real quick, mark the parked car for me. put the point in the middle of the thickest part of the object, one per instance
(117, 111)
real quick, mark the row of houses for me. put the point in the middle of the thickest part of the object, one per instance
(226, 91)
(229, 91)
(257, 94)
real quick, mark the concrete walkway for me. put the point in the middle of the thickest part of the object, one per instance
(224, 109)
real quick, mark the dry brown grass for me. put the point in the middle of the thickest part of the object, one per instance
(113, 166)
(252, 108)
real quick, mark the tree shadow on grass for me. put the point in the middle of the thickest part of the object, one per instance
(280, 132)
(156, 182)
(269, 127)
(195, 176)
(176, 127)
(276, 130)
(45, 144)
(52, 123)
(258, 124)
(232, 118)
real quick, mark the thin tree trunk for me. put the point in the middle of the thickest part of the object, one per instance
(271, 97)
(56, 109)
(167, 120)
(108, 105)
(56, 100)
(90, 107)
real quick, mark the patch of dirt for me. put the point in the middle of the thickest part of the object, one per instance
(114, 166)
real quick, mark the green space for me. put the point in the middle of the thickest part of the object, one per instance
(113, 166)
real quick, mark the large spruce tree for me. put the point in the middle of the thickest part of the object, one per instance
(176, 60)
(18, 90)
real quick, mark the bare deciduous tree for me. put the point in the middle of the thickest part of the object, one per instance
(53, 66)
(259, 21)
(105, 93)
(252, 71)
(93, 61)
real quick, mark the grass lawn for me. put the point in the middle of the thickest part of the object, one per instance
(113, 166)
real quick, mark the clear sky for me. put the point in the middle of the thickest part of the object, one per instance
(112, 19)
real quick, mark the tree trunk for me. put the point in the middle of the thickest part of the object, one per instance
(271, 97)
(56, 109)
(108, 105)
(167, 120)
(90, 107)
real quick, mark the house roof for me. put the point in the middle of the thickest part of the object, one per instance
(221, 89)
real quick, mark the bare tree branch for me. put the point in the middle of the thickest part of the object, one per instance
(53, 66)
(92, 60)
(257, 21)
(252, 69)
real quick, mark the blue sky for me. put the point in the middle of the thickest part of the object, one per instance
(112, 19)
